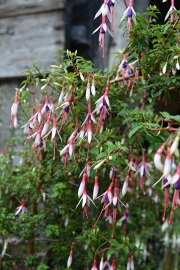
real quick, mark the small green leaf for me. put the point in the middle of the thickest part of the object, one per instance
(134, 130)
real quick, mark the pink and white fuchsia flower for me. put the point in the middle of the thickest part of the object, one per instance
(169, 13)
(21, 209)
(14, 109)
(157, 158)
(167, 165)
(104, 10)
(85, 199)
(69, 148)
(96, 187)
(69, 262)
(130, 14)
(94, 264)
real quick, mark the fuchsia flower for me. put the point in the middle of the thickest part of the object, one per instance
(175, 144)
(14, 106)
(46, 126)
(130, 263)
(96, 187)
(94, 264)
(101, 107)
(37, 136)
(103, 28)
(38, 115)
(88, 90)
(125, 186)
(47, 107)
(85, 199)
(157, 158)
(169, 12)
(111, 5)
(69, 262)
(107, 195)
(104, 10)
(60, 100)
(87, 125)
(69, 147)
(14, 109)
(82, 185)
(167, 164)
(103, 100)
(175, 199)
(93, 89)
(101, 265)
(130, 14)
(22, 208)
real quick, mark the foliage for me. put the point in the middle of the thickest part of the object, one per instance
(89, 131)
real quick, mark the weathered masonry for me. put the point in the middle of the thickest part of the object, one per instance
(29, 31)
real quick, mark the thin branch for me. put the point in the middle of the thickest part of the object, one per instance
(122, 78)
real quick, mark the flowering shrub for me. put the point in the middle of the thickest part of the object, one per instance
(86, 194)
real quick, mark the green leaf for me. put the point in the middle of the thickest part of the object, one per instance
(134, 130)
(111, 251)
(171, 117)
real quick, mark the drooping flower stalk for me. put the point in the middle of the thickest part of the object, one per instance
(166, 197)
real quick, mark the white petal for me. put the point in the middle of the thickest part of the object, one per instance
(97, 14)
(93, 90)
(84, 200)
(70, 149)
(53, 133)
(96, 30)
(157, 162)
(89, 134)
(95, 191)
(104, 9)
(63, 151)
(44, 130)
(14, 109)
(125, 188)
(174, 146)
(167, 167)
(81, 188)
(87, 93)
(115, 200)
(124, 15)
(69, 262)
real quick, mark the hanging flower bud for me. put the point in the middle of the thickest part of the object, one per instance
(66, 222)
(69, 262)
(164, 68)
(94, 264)
(175, 145)
(125, 186)
(101, 265)
(157, 158)
(93, 90)
(14, 107)
(96, 187)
